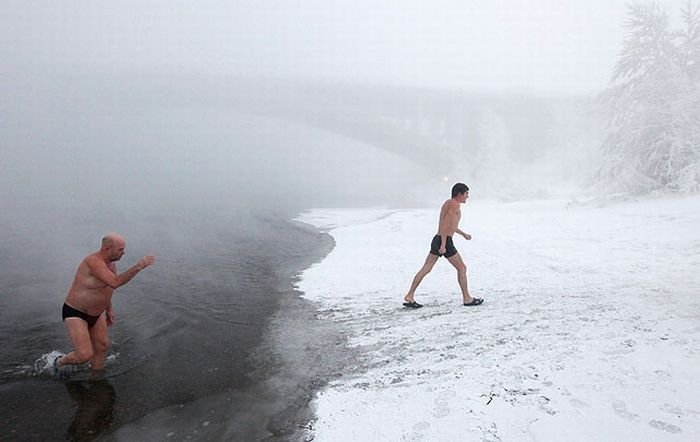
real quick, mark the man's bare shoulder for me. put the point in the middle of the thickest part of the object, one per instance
(93, 261)
(450, 204)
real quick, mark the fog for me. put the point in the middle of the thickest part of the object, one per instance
(298, 103)
(536, 46)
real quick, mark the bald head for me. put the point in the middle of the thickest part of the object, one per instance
(110, 239)
(113, 245)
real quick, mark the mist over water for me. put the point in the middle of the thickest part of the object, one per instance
(101, 140)
(209, 190)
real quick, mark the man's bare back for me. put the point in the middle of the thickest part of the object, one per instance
(450, 214)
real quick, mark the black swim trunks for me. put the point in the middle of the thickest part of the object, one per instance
(70, 312)
(449, 247)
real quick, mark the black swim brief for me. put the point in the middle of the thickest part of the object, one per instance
(70, 312)
(449, 247)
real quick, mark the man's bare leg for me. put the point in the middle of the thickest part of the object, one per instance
(99, 337)
(427, 267)
(82, 344)
(456, 261)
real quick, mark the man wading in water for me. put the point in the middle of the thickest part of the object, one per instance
(442, 245)
(87, 312)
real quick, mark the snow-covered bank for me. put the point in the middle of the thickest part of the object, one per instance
(590, 329)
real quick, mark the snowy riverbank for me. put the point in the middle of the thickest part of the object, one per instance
(590, 329)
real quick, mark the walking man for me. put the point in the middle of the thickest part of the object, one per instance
(442, 245)
(87, 311)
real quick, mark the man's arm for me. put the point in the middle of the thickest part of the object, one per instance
(100, 270)
(465, 235)
(109, 314)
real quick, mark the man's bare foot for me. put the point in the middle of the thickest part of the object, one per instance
(60, 371)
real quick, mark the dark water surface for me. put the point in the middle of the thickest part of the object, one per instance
(212, 343)
(187, 359)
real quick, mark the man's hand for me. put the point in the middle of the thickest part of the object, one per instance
(145, 262)
(466, 236)
(443, 250)
(111, 319)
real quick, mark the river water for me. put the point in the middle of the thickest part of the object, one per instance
(210, 343)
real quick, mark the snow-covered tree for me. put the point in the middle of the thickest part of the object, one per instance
(689, 41)
(654, 105)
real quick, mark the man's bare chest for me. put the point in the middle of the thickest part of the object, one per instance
(91, 282)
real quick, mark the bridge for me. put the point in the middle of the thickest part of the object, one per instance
(438, 129)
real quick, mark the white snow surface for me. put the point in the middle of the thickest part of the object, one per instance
(590, 329)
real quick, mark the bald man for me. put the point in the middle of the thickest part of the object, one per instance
(87, 311)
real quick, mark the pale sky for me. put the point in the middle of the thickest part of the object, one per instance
(540, 46)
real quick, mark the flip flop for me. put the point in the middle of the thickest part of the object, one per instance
(412, 304)
(475, 301)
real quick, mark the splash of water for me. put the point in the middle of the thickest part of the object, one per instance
(45, 364)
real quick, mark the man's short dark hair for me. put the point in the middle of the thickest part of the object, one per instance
(459, 188)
